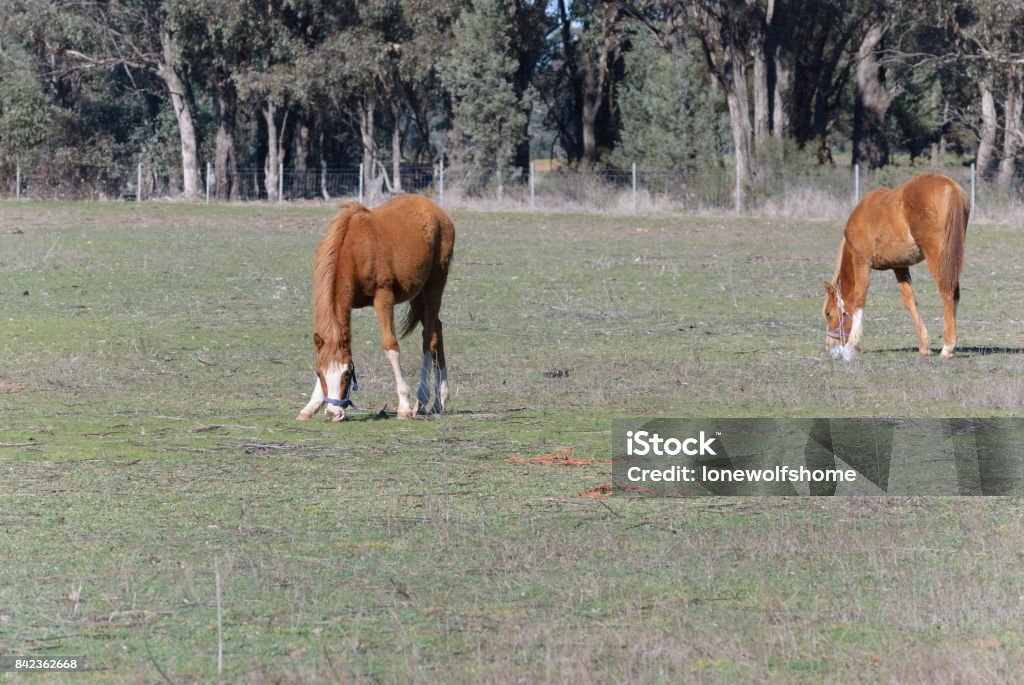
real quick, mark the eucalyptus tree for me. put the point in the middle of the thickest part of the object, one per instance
(488, 114)
(583, 72)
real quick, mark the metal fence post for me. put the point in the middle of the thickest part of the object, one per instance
(17, 183)
(533, 181)
(440, 197)
(360, 182)
(280, 182)
(634, 187)
(739, 192)
(138, 183)
(208, 178)
(974, 207)
(856, 183)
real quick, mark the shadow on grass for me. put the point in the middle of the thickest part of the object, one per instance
(982, 350)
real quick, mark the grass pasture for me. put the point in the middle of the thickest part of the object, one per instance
(153, 358)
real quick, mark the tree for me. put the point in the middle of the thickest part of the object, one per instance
(871, 101)
(671, 114)
(25, 113)
(488, 114)
(136, 34)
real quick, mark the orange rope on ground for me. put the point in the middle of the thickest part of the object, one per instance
(597, 492)
(562, 456)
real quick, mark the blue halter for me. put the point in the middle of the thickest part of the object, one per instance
(346, 401)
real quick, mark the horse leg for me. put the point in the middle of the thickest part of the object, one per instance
(433, 347)
(950, 302)
(433, 360)
(384, 306)
(910, 302)
(315, 400)
(441, 381)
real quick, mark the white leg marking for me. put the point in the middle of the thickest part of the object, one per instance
(404, 410)
(315, 401)
(856, 329)
(333, 375)
(947, 351)
(423, 392)
(441, 398)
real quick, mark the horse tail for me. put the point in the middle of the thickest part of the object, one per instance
(413, 317)
(952, 260)
(325, 268)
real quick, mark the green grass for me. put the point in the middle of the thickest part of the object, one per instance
(150, 377)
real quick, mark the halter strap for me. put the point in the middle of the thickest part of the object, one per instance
(345, 402)
(839, 332)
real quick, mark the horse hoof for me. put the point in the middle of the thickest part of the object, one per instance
(406, 413)
(926, 353)
(303, 416)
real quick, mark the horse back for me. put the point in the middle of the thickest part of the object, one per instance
(398, 245)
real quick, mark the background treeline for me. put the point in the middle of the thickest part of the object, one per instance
(484, 86)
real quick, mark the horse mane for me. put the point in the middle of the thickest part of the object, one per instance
(325, 265)
(952, 260)
(839, 261)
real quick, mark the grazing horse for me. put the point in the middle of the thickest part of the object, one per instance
(923, 219)
(398, 252)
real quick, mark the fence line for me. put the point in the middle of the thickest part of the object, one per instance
(637, 188)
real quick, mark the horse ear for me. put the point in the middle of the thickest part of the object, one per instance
(318, 341)
(830, 288)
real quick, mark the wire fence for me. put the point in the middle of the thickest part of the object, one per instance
(788, 190)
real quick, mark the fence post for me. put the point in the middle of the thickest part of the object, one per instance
(17, 182)
(739, 191)
(360, 183)
(440, 194)
(533, 181)
(208, 178)
(974, 207)
(280, 182)
(138, 183)
(856, 184)
(634, 187)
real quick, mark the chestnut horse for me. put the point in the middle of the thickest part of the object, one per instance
(923, 219)
(398, 252)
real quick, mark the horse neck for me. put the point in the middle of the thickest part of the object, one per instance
(332, 286)
(851, 279)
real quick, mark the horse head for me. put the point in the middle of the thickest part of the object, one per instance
(337, 379)
(838, 323)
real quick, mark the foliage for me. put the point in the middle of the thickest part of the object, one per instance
(476, 83)
(488, 115)
(25, 112)
(672, 117)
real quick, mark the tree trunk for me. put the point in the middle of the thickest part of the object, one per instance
(1012, 127)
(739, 111)
(760, 97)
(301, 161)
(396, 157)
(592, 87)
(178, 90)
(783, 86)
(760, 45)
(987, 141)
(870, 103)
(225, 166)
(366, 115)
(275, 155)
(323, 164)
